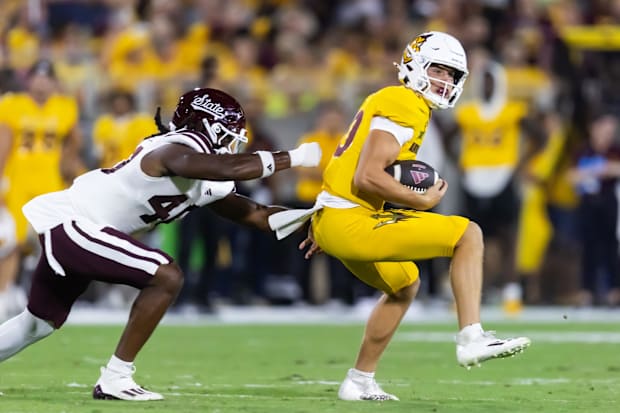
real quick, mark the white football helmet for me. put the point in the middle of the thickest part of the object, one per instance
(425, 50)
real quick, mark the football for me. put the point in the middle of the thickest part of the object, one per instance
(415, 175)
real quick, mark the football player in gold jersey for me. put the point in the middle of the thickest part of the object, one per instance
(117, 132)
(380, 246)
(40, 152)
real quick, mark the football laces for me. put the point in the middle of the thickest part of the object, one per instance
(416, 189)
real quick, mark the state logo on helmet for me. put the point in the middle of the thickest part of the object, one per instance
(214, 113)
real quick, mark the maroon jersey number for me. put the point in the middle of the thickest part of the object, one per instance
(121, 163)
(163, 205)
(352, 131)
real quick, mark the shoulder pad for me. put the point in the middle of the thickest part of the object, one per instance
(194, 139)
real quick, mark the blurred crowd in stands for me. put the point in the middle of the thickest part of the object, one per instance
(531, 150)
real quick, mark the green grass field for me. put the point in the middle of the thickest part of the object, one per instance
(297, 368)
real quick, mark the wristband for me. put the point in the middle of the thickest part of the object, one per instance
(269, 164)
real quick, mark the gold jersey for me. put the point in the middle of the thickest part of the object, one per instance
(117, 138)
(396, 103)
(38, 134)
(33, 166)
(385, 257)
(488, 142)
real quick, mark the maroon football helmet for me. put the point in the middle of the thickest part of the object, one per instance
(214, 113)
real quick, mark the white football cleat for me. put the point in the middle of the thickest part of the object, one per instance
(473, 351)
(362, 388)
(113, 385)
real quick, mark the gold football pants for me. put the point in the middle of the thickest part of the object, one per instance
(380, 247)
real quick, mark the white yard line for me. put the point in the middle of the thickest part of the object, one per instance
(559, 337)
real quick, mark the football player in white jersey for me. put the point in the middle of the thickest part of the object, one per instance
(85, 231)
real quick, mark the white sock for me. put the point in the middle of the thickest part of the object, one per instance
(120, 366)
(471, 331)
(362, 374)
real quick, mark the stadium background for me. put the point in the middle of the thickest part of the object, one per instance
(285, 61)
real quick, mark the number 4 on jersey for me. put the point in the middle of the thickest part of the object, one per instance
(163, 205)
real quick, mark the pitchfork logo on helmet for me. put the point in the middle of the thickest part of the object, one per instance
(415, 46)
(215, 113)
(433, 48)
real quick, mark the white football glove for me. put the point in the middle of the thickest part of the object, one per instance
(306, 154)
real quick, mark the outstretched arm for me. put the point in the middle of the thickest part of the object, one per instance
(245, 211)
(181, 160)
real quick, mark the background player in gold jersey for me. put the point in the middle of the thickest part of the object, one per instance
(40, 152)
(117, 132)
(380, 246)
(535, 227)
(494, 146)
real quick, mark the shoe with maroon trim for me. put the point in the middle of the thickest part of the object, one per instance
(113, 385)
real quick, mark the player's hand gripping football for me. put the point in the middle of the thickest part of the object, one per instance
(434, 193)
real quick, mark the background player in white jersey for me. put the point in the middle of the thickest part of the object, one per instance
(85, 231)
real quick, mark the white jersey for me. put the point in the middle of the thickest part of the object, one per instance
(127, 199)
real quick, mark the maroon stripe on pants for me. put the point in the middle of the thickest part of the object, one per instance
(52, 295)
(114, 247)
